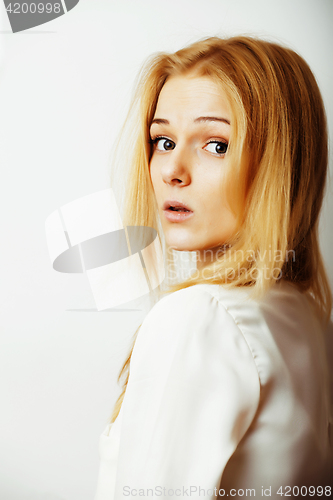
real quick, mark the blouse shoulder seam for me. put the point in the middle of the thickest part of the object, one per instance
(216, 295)
(213, 292)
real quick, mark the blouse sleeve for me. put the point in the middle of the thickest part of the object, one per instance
(192, 393)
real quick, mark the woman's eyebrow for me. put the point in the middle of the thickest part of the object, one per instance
(211, 119)
(160, 120)
(197, 120)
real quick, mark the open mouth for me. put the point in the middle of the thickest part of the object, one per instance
(176, 206)
(178, 209)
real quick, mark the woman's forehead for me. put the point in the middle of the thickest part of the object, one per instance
(194, 95)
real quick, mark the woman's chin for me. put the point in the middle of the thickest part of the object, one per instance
(180, 240)
(181, 246)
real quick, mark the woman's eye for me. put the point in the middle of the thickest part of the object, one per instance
(163, 144)
(217, 147)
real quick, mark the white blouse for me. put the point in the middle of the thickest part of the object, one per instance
(225, 394)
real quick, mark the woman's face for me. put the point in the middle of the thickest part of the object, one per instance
(190, 132)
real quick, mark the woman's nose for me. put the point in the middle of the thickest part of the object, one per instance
(177, 168)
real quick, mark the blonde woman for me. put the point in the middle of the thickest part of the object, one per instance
(227, 389)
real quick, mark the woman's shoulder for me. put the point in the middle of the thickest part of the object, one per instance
(282, 300)
(191, 328)
(275, 328)
(196, 306)
(201, 294)
(184, 307)
(194, 316)
(282, 304)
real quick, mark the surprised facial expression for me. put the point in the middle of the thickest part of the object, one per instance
(190, 133)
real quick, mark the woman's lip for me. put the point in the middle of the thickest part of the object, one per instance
(175, 203)
(174, 216)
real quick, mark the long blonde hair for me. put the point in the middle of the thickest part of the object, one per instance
(279, 153)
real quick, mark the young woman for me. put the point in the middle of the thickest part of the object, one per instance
(228, 384)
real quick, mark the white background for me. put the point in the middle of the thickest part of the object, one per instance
(64, 91)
